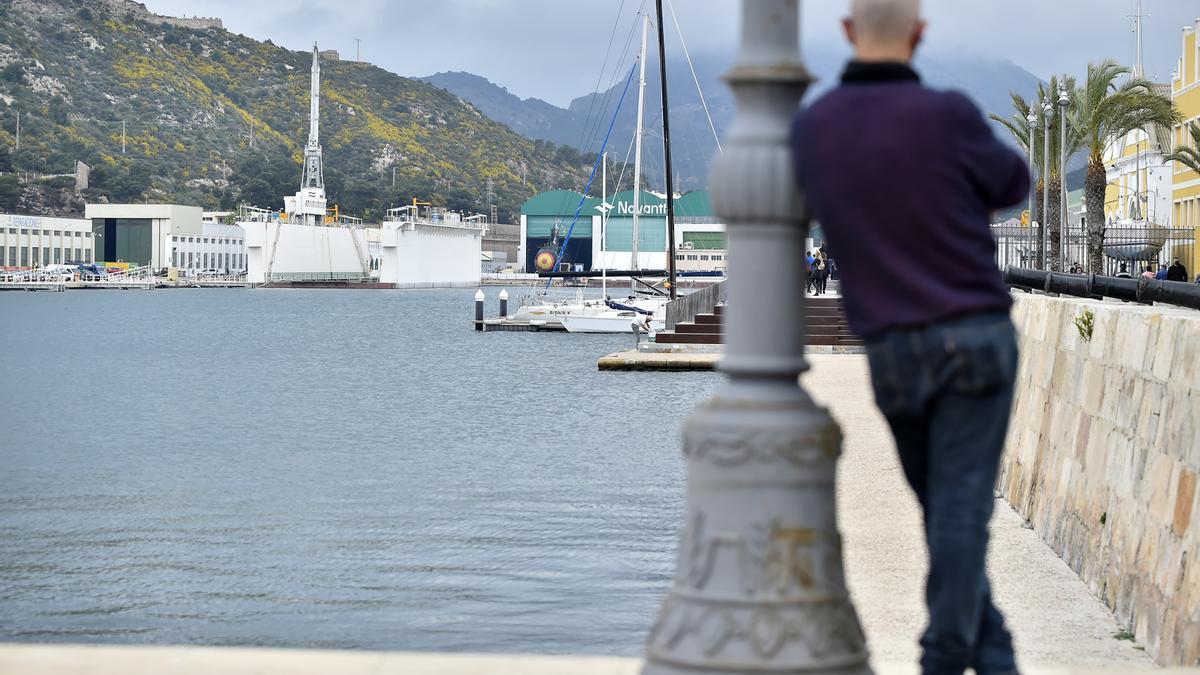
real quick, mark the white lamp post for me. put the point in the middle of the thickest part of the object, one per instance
(759, 585)
(1064, 101)
(1032, 119)
(1047, 113)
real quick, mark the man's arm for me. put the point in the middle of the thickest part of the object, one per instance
(996, 170)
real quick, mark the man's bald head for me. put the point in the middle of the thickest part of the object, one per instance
(884, 30)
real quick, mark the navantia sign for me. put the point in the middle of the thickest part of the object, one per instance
(626, 209)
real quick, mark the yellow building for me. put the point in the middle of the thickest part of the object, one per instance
(1185, 91)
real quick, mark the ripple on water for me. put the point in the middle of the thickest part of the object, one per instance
(328, 469)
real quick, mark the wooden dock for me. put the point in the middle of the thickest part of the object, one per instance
(509, 325)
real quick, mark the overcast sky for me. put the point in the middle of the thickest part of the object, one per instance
(553, 49)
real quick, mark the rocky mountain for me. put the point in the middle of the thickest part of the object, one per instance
(582, 123)
(182, 110)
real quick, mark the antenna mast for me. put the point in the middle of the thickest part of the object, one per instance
(1138, 67)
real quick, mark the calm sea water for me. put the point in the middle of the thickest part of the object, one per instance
(343, 469)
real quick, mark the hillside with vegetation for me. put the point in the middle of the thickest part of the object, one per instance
(217, 119)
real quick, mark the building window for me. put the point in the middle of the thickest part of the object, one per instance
(57, 256)
(24, 256)
(78, 254)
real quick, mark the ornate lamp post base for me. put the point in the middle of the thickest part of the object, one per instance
(759, 585)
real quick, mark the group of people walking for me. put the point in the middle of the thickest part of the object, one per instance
(818, 267)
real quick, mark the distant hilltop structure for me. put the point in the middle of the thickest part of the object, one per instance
(143, 13)
(330, 55)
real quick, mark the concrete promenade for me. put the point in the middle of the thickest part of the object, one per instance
(1055, 620)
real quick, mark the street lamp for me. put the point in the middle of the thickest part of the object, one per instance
(1032, 119)
(759, 585)
(1047, 114)
(1064, 101)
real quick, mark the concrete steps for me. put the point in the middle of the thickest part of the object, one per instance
(827, 326)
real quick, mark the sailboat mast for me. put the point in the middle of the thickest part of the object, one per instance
(637, 142)
(603, 222)
(666, 123)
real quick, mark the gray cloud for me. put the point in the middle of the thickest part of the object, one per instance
(553, 49)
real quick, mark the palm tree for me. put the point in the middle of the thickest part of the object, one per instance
(1018, 126)
(1103, 111)
(1188, 154)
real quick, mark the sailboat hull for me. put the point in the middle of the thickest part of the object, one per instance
(609, 322)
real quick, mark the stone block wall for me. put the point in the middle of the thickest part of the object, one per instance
(1103, 456)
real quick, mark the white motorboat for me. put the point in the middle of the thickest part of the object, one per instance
(611, 321)
(639, 315)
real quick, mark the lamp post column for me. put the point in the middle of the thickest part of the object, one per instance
(1047, 113)
(1063, 221)
(1033, 123)
(759, 585)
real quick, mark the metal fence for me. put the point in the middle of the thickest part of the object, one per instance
(1135, 247)
(686, 307)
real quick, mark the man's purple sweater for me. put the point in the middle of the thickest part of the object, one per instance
(904, 180)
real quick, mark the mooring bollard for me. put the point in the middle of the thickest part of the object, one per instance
(479, 309)
(503, 303)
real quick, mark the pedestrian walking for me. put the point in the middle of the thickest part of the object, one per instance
(940, 342)
(1123, 272)
(1148, 272)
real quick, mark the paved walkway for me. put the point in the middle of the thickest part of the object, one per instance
(1055, 620)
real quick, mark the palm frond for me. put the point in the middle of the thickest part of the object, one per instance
(1188, 155)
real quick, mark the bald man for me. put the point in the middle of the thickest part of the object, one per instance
(904, 180)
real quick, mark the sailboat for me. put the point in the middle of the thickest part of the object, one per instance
(636, 314)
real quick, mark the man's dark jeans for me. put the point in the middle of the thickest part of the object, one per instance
(946, 390)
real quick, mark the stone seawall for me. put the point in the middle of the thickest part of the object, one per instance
(1103, 456)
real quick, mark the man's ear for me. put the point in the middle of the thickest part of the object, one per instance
(848, 27)
(918, 35)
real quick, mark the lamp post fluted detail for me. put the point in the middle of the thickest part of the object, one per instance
(1047, 113)
(1033, 123)
(759, 584)
(1064, 101)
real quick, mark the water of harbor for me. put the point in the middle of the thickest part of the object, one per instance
(322, 468)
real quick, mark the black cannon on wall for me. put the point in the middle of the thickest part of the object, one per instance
(1141, 289)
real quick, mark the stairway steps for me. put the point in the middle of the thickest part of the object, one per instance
(831, 330)
(697, 328)
(688, 338)
(835, 340)
(826, 319)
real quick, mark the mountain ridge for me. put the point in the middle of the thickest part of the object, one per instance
(987, 81)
